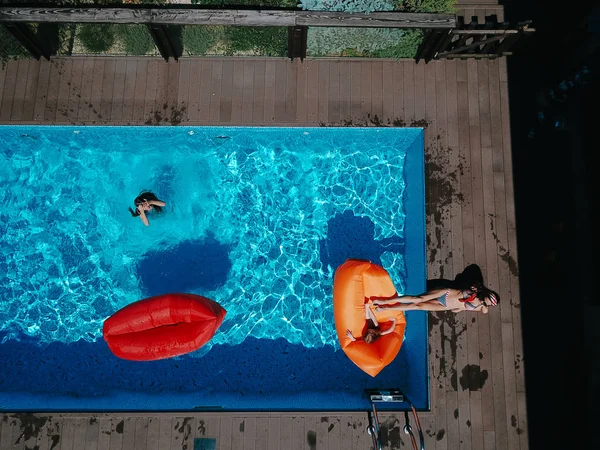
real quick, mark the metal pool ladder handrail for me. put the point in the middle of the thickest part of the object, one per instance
(392, 396)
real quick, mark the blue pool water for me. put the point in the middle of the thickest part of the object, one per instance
(256, 219)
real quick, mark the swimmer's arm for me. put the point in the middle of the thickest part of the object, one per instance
(156, 203)
(143, 216)
(391, 328)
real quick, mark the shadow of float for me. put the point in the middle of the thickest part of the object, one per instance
(189, 266)
(350, 236)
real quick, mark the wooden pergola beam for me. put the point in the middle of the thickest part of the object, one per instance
(203, 16)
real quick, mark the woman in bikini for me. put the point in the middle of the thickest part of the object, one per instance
(144, 203)
(477, 298)
(373, 329)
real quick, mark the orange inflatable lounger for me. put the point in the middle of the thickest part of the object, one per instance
(162, 326)
(355, 282)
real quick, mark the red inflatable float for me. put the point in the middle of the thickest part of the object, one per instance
(163, 326)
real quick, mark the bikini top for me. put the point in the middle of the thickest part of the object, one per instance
(467, 301)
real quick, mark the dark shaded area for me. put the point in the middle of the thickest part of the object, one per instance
(188, 266)
(554, 127)
(350, 236)
(470, 276)
(84, 369)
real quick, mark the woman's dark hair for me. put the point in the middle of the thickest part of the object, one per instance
(371, 335)
(144, 197)
(484, 293)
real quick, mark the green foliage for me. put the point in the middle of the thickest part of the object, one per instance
(198, 39)
(266, 41)
(10, 48)
(349, 41)
(353, 6)
(427, 6)
(271, 3)
(405, 48)
(136, 39)
(97, 38)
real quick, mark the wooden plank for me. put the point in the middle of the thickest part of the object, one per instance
(204, 106)
(298, 440)
(96, 90)
(399, 117)
(408, 90)
(2, 77)
(361, 439)
(139, 95)
(286, 425)
(116, 109)
(489, 440)
(247, 92)
(153, 433)
(92, 433)
(262, 433)
(258, 105)
(107, 90)
(197, 16)
(301, 91)
(333, 113)
(215, 91)
(74, 84)
(323, 93)
(454, 124)
(230, 89)
(85, 90)
(365, 90)
(344, 94)
(322, 429)
(41, 92)
(236, 91)
(18, 437)
(274, 433)
(280, 90)
(238, 428)
(176, 111)
(312, 91)
(6, 433)
(79, 432)
(31, 90)
(161, 102)
(184, 431)
(355, 96)
(250, 434)
(10, 81)
(270, 92)
(334, 434)
(128, 433)
(129, 85)
(193, 91)
(225, 442)
(140, 440)
(345, 433)
(116, 433)
(291, 96)
(310, 430)
(183, 86)
(387, 92)
(62, 105)
(105, 427)
(67, 434)
(377, 95)
(19, 92)
(165, 433)
(446, 269)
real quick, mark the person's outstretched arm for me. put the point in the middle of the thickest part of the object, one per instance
(143, 215)
(391, 328)
(156, 202)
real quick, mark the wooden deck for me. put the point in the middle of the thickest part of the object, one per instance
(477, 382)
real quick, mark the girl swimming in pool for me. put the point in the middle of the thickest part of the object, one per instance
(477, 298)
(146, 202)
(373, 330)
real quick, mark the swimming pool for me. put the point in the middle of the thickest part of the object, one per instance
(256, 219)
